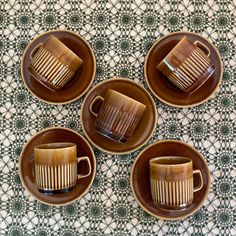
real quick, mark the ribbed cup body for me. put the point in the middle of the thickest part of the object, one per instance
(56, 177)
(172, 194)
(171, 180)
(54, 64)
(118, 116)
(50, 69)
(55, 167)
(187, 66)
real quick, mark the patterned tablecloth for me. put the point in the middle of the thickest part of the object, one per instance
(120, 33)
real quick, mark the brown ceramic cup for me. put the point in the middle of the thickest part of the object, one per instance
(56, 167)
(187, 65)
(118, 116)
(53, 64)
(171, 179)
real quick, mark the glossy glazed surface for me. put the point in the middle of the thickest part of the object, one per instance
(146, 125)
(140, 183)
(26, 165)
(170, 168)
(171, 180)
(62, 52)
(53, 64)
(187, 65)
(165, 90)
(55, 153)
(55, 166)
(81, 81)
(118, 116)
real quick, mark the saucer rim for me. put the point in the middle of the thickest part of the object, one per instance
(70, 100)
(184, 215)
(210, 96)
(148, 137)
(21, 161)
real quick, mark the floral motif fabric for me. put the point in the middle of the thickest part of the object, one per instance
(120, 32)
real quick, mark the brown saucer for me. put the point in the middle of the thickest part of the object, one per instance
(163, 89)
(140, 182)
(145, 127)
(26, 165)
(81, 81)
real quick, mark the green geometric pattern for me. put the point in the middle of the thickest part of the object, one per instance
(120, 33)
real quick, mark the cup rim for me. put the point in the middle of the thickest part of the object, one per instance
(46, 146)
(187, 161)
(127, 97)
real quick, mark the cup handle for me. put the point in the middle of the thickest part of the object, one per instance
(34, 50)
(200, 185)
(203, 47)
(80, 176)
(92, 104)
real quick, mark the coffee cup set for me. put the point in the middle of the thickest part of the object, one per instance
(169, 179)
